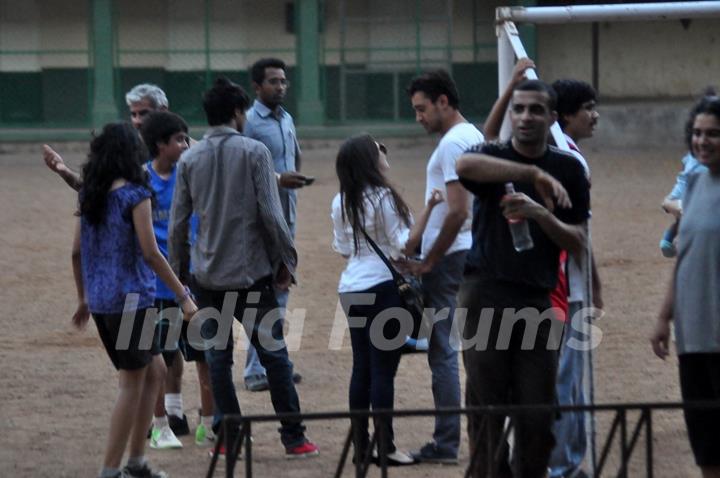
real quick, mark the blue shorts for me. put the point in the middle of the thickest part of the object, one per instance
(171, 348)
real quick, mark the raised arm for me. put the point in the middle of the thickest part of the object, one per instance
(494, 121)
(142, 221)
(56, 164)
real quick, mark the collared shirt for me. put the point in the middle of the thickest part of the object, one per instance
(227, 180)
(278, 134)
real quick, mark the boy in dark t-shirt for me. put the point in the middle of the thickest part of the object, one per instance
(510, 354)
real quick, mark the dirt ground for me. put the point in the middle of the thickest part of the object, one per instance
(57, 385)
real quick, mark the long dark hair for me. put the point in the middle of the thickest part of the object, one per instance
(709, 94)
(358, 170)
(116, 153)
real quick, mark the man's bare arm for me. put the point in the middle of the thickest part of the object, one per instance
(482, 168)
(458, 200)
(569, 237)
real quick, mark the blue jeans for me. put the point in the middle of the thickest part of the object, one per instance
(440, 288)
(569, 430)
(220, 357)
(374, 367)
(252, 361)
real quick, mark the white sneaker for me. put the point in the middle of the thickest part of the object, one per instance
(164, 438)
(396, 458)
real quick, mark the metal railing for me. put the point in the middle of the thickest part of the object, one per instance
(629, 432)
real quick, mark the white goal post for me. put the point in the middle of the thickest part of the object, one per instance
(510, 49)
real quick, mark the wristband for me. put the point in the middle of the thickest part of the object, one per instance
(186, 295)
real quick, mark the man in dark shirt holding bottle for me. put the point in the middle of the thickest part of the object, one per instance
(510, 337)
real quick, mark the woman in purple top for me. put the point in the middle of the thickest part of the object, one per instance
(115, 259)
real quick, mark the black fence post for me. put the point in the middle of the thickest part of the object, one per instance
(648, 443)
(344, 454)
(216, 452)
(623, 444)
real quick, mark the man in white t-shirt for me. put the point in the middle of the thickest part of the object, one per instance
(577, 117)
(445, 243)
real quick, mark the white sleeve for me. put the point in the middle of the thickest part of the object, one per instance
(448, 154)
(341, 244)
(395, 229)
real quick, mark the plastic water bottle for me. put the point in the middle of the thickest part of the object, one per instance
(519, 229)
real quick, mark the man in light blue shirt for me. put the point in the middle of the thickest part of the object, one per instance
(268, 122)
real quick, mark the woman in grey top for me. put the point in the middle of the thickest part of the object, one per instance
(693, 298)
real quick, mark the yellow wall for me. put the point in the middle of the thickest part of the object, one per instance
(636, 60)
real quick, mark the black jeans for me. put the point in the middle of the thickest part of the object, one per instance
(508, 371)
(270, 346)
(374, 366)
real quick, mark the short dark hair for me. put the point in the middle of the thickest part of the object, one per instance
(571, 95)
(433, 84)
(221, 101)
(158, 127)
(257, 71)
(540, 87)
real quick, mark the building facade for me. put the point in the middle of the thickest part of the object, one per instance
(67, 64)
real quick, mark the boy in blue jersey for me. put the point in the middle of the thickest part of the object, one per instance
(165, 135)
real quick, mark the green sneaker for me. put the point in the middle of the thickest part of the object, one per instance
(163, 439)
(204, 436)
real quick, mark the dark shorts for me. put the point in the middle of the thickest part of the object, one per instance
(700, 381)
(170, 348)
(132, 351)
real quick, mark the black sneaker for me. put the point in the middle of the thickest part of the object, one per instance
(179, 426)
(257, 383)
(430, 453)
(142, 472)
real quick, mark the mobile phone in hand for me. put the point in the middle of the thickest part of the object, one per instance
(309, 180)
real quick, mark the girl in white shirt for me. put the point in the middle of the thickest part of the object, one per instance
(378, 323)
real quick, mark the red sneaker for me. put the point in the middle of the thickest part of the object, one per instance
(221, 452)
(305, 450)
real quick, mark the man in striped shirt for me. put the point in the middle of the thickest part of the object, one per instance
(243, 250)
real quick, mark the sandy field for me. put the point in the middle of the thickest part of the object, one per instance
(57, 385)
